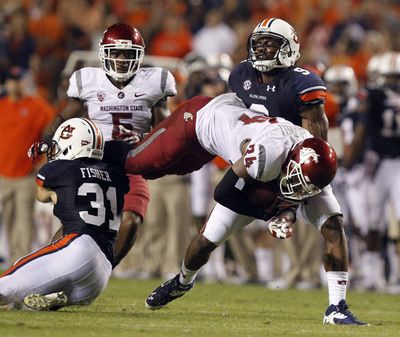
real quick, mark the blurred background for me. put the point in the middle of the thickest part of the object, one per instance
(43, 41)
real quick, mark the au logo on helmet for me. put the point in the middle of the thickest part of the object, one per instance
(66, 133)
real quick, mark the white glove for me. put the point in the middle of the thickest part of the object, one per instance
(280, 225)
(129, 136)
(37, 149)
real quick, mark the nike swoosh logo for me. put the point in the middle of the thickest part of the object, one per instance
(139, 95)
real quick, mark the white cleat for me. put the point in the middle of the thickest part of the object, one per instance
(50, 302)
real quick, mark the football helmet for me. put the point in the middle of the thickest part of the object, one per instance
(121, 51)
(310, 166)
(341, 81)
(372, 71)
(389, 69)
(286, 42)
(76, 138)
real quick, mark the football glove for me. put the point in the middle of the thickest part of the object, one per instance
(37, 149)
(128, 136)
(280, 225)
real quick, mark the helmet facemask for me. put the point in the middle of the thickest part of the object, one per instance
(287, 47)
(122, 68)
(259, 61)
(294, 185)
(310, 166)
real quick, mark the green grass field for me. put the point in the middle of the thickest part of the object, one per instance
(207, 311)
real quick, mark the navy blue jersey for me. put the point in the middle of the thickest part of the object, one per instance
(291, 91)
(90, 196)
(384, 122)
(350, 117)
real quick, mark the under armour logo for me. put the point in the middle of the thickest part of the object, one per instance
(270, 88)
(187, 116)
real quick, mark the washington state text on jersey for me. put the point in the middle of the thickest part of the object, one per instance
(120, 108)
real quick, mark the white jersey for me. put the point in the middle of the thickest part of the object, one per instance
(131, 106)
(225, 124)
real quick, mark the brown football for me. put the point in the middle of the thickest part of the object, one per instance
(262, 194)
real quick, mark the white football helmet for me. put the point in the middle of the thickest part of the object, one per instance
(76, 138)
(389, 70)
(288, 52)
(341, 81)
(372, 71)
(125, 39)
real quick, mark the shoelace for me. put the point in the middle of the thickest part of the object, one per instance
(344, 309)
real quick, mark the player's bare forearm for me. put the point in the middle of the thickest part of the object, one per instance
(160, 111)
(352, 151)
(315, 121)
(57, 235)
(126, 238)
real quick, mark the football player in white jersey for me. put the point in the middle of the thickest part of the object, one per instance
(126, 101)
(260, 147)
(88, 196)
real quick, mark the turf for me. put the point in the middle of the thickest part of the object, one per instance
(207, 311)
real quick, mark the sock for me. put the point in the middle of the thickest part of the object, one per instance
(367, 269)
(337, 286)
(187, 276)
(393, 262)
(377, 275)
(265, 264)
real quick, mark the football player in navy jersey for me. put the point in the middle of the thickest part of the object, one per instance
(381, 103)
(88, 197)
(350, 183)
(269, 82)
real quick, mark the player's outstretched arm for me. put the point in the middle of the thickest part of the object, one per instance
(73, 109)
(46, 195)
(230, 193)
(126, 237)
(315, 121)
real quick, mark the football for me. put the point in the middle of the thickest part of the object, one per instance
(262, 194)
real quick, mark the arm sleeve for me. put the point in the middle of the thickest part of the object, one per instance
(53, 174)
(229, 193)
(170, 87)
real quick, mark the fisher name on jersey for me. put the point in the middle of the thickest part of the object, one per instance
(293, 90)
(109, 106)
(90, 196)
(225, 124)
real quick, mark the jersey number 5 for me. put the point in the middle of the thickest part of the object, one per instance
(99, 206)
(120, 119)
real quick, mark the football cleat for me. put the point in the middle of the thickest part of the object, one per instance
(167, 292)
(50, 302)
(340, 314)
